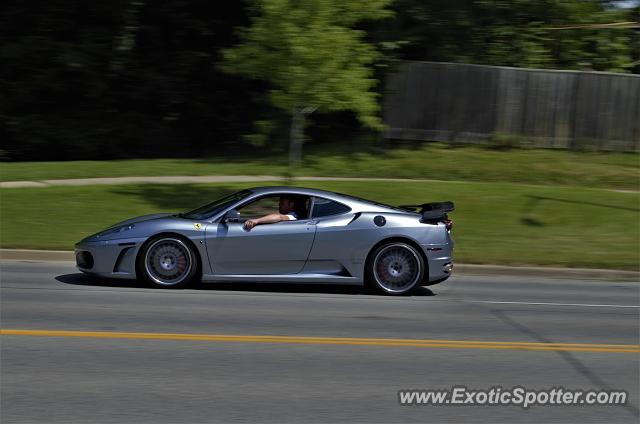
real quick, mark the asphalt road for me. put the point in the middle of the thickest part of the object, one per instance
(85, 377)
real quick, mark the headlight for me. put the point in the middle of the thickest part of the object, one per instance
(116, 230)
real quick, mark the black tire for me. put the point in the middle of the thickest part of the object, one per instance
(394, 268)
(167, 262)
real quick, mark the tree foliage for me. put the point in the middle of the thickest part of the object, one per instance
(523, 33)
(123, 78)
(311, 54)
(139, 78)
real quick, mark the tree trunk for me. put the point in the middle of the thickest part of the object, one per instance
(296, 137)
(126, 39)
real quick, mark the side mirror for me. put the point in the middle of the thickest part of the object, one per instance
(232, 216)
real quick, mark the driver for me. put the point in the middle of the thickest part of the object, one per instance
(286, 212)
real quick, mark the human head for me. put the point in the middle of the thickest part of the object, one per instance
(287, 204)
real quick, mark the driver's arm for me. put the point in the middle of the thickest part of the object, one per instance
(272, 218)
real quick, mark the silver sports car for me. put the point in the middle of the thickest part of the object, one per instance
(336, 238)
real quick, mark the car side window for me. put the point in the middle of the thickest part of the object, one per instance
(325, 207)
(259, 207)
(270, 204)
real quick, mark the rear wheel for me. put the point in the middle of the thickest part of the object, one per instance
(395, 268)
(168, 262)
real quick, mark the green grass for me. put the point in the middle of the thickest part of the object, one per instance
(493, 223)
(428, 161)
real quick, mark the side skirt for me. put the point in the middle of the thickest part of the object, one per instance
(284, 278)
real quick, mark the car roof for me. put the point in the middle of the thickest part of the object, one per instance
(292, 190)
(356, 204)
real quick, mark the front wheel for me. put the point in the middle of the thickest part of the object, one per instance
(168, 262)
(395, 268)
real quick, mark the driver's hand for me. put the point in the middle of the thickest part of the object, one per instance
(249, 224)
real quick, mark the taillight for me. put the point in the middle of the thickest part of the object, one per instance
(448, 224)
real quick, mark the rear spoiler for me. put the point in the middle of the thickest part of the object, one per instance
(431, 211)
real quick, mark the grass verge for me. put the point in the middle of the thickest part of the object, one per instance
(495, 223)
(427, 161)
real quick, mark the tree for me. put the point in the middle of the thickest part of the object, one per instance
(556, 34)
(127, 78)
(313, 57)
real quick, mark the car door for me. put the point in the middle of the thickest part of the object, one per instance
(280, 248)
(333, 244)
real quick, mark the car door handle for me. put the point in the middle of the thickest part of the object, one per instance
(312, 222)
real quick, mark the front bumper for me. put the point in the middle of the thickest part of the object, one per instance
(108, 258)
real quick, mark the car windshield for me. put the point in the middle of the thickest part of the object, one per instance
(216, 206)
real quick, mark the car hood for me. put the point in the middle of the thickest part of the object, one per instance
(112, 232)
(141, 219)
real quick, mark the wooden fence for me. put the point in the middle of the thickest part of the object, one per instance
(542, 108)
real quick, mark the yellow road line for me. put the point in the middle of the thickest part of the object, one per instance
(424, 343)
